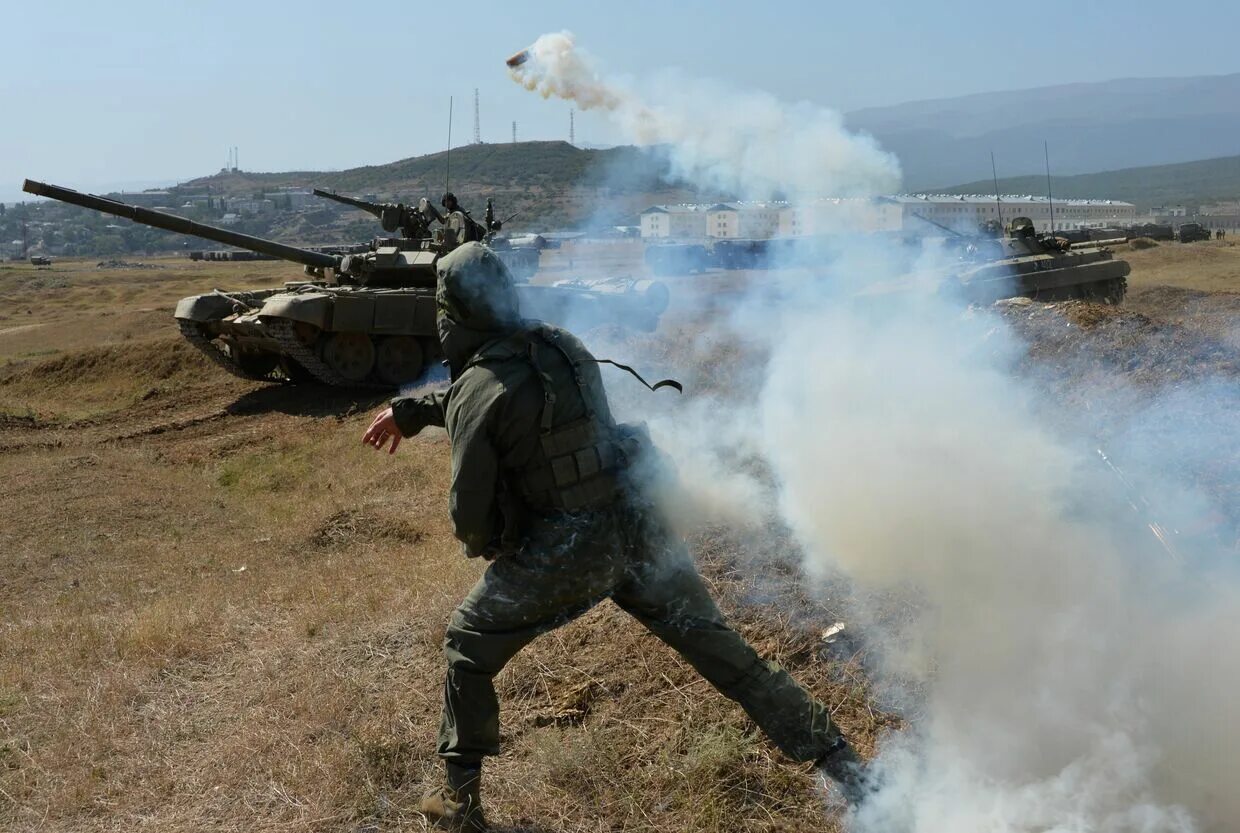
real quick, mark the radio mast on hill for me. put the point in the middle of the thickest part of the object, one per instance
(572, 133)
(514, 132)
(477, 121)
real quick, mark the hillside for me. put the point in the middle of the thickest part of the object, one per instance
(1091, 127)
(552, 184)
(1187, 183)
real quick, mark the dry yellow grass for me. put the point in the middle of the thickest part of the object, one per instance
(219, 612)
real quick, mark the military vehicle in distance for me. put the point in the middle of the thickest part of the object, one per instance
(359, 320)
(1154, 231)
(1192, 232)
(522, 261)
(40, 260)
(1038, 266)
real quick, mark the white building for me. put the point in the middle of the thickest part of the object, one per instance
(964, 213)
(744, 220)
(914, 213)
(826, 216)
(1169, 211)
(1227, 207)
(686, 221)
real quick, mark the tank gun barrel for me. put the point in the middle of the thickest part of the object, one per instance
(370, 207)
(171, 222)
(950, 231)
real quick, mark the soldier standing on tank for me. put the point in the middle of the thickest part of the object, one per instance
(460, 226)
(550, 490)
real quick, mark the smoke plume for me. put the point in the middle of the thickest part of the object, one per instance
(753, 145)
(1069, 674)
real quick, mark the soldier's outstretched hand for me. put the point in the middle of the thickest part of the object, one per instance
(382, 430)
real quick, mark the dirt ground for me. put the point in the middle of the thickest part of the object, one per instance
(220, 612)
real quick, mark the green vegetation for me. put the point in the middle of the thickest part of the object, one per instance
(1185, 183)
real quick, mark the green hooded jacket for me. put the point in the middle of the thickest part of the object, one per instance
(495, 405)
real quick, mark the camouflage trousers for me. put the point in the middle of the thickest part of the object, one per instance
(569, 565)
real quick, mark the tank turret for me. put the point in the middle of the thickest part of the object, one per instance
(413, 222)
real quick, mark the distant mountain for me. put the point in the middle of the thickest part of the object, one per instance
(1090, 127)
(1186, 183)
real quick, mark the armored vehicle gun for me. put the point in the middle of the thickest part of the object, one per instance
(414, 224)
(358, 320)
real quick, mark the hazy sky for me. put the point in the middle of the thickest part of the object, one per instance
(101, 94)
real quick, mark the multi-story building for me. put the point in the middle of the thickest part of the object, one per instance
(1225, 208)
(744, 220)
(914, 213)
(826, 216)
(964, 213)
(686, 221)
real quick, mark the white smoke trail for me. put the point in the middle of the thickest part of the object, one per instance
(1069, 683)
(1073, 677)
(748, 143)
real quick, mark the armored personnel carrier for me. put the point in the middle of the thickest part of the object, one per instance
(522, 261)
(1192, 232)
(1039, 266)
(361, 319)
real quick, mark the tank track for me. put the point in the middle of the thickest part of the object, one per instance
(193, 334)
(292, 346)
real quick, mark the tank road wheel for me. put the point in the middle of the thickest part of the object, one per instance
(399, 359)
(352, 355)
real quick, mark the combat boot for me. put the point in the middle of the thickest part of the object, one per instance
(457, 805)
(844, 766)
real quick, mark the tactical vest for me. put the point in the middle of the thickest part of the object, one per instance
(578, 463)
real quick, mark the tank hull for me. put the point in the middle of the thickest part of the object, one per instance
(369, 338)
(1087, 274)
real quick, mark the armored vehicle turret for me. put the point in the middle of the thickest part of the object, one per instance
(416, 224)
(358, 320)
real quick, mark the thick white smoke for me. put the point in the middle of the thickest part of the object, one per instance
(754, 145)
(1072, 675)
(1069, 666)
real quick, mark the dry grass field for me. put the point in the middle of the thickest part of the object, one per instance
(219, 612)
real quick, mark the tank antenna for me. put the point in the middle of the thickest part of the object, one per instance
(994, 172)
(1046, 152)
(447, 174)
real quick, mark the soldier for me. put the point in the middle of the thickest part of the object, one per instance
(461, 228)
(555, 495)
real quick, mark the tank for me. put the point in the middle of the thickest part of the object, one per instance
(363, 319)
(522, 261)
(1040, 266)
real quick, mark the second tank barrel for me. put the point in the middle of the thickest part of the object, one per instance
(374, 208)
(171, 222)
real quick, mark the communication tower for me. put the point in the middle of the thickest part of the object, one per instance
(572, 133)
(514, 132)
(477, 120)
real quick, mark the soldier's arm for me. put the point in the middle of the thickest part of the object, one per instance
(476, 517)
(413, 413)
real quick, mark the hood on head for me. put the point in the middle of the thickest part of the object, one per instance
(475, 303)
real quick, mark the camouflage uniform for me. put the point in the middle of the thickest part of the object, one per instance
(548, 486)
(459, 227)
